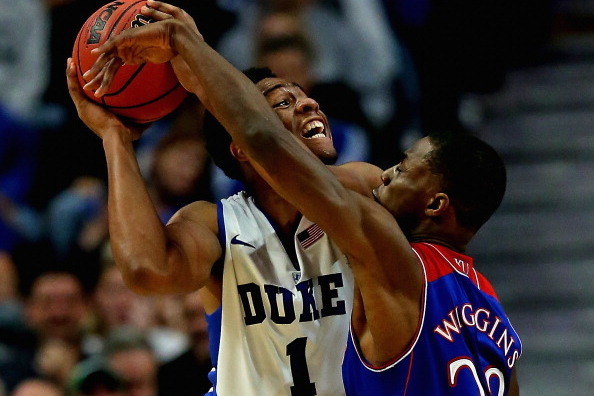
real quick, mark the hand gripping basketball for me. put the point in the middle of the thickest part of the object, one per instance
(149, 43)
(145, 88)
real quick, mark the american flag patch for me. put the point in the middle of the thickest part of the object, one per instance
(310, 235)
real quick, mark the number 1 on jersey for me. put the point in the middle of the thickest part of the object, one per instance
(301, 382)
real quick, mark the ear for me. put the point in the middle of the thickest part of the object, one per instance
(237, 152)
(437, 205)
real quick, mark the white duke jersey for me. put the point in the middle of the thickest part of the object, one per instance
(282, 327)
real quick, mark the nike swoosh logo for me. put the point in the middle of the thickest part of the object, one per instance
(237, 241)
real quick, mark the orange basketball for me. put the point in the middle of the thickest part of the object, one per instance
(141, 93)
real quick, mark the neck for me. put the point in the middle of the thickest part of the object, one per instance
(459, 247)
(285, 216)
(443, 230)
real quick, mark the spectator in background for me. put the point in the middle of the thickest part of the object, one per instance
(173, 159)
(56, 306)
(56, 310)
(129, 354)
(72, 227)
(187, 374)
(24, 57)
(48, 341)
(54, 359)
(180, 172)
(115, 306)
(76, 218)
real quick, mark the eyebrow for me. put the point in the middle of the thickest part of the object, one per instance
(281, 85)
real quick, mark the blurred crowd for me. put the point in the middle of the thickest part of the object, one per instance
(383, 71)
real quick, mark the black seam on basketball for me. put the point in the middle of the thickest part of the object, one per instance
(128, 82)
(115, 24)
(146, 103)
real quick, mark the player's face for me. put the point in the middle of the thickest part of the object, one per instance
(408, 187)
(301, 115)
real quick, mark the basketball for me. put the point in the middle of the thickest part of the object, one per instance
(141, 93)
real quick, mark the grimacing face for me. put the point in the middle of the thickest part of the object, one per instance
(301, 115)
(409, 187)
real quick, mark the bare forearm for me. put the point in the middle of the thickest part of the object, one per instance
(255, 127)
(217, 81)
(136, 232)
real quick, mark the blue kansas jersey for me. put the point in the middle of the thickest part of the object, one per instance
(465, 344)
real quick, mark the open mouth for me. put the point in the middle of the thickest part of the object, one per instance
(314, 130)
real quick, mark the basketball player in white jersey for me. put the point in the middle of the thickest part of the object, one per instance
(277, 291)
(425, 321)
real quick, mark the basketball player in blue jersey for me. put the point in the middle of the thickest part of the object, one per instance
(277, 291)
(425, 321)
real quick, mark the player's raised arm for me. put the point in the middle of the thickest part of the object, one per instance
(365, 231)
(152, 258)
(384, 264)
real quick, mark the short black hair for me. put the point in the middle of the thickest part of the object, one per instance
(218, 139)
(473, 175)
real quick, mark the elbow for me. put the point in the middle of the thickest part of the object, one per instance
(169, 276)
(138, 278)
(140, 273)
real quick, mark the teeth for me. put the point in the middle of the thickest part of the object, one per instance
(312, 125)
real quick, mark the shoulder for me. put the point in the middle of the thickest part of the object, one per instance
(197, 208)
(361, 177)
(202, 212)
